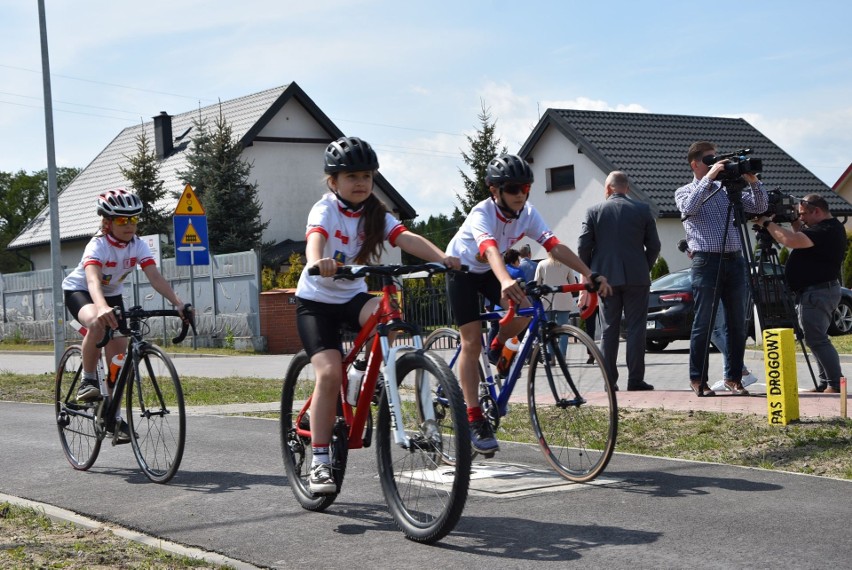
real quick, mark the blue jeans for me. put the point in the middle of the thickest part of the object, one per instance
(719, 338)
(815, 310)
(733, 294)
(560, 318)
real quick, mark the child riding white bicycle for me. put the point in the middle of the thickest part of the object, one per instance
(493, 226)
(349, 225)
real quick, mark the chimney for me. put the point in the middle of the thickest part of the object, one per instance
(163, 135)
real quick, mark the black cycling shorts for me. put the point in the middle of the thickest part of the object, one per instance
(464, 289)
(320, 324)
(76, 300)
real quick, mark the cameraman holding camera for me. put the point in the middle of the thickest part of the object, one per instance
(817, 242)
(715, 241)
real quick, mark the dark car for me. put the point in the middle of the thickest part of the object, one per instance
(671, 310)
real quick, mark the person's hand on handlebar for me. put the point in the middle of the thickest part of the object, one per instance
(106, 316)
(327, 266)
(186, 312)
(451, 262)
(511, 290)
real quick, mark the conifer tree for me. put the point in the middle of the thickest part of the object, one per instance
(483, 147)
(220, 178)
(143, 174)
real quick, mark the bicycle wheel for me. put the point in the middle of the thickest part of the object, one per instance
(156, 415)
(76, 421)
(295, 449)
(576, 430)
(425, 497)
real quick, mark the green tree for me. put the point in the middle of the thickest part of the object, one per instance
(438, 229)
(22, 197)
(660, 268)
(483, 147)
(221, 181)
(144, 177)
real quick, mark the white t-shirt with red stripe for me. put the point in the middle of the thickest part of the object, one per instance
(116, 260)
(344, 238)
(486, 225)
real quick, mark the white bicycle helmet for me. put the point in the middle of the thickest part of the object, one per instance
(119, 202)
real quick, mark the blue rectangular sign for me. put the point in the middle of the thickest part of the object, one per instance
(191, 244)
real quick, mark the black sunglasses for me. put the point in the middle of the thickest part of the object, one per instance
(515, 189)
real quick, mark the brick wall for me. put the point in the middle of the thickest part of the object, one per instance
(278, 321)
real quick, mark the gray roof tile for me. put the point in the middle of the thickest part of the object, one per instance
(246, 116)
(651, 149)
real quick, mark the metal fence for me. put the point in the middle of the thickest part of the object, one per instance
(226, 295)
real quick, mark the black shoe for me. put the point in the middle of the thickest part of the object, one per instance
(590, 359)
(88, 390)
(641, 387)
(820, 388)
(482, 437)
(494, 355)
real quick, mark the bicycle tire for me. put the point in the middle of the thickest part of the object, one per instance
(75, 421)
(577, 437)
(446, 344)
(425, 497)
(296, 452)
(156, 414)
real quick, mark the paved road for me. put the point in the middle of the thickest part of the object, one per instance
(230, 496)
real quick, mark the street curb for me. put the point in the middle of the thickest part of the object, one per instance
(63, 515)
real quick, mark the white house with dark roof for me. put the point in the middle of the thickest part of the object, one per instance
(284, 135)
(572, 151)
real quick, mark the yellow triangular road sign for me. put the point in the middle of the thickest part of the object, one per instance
(190, 236)
(189, 205)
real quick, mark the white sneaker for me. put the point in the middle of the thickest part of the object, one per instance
(321, 481)
(748, 379)
(720, 385)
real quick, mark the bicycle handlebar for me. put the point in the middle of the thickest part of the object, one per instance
(138, 313)
(358, 271)
(538, 291)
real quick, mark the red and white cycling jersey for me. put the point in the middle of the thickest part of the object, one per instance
(116, 260)
(344, 238)
(486, 225)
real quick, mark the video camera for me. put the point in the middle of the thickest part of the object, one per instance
(781, 207)
(737, 165)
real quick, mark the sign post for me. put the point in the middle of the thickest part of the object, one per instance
(191, 244)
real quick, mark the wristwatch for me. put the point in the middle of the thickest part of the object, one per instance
(766, 224)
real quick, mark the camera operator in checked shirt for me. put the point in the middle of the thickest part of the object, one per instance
(705, 207)
(817, 241)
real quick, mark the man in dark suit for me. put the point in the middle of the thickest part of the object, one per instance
(619, 239)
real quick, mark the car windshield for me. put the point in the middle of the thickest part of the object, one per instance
(678, 280)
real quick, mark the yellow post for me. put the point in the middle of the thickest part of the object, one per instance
(782, 386)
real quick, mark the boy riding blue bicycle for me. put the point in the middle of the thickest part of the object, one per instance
(493, 226)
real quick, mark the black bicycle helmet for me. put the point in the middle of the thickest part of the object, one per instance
(350, 154)
(508, 168)
(119, 202)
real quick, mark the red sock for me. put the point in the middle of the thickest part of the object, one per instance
(474, 414)
(496, 344)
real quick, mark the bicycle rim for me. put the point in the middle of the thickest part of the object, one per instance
(75, 421)
(296, 450)
(576, 436)
(425, 496)
(156, 415)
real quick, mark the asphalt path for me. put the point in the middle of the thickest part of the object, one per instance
(231, 497)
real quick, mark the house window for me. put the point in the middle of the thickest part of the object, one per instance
(561, 178)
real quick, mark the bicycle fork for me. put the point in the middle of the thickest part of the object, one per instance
(392, 391)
